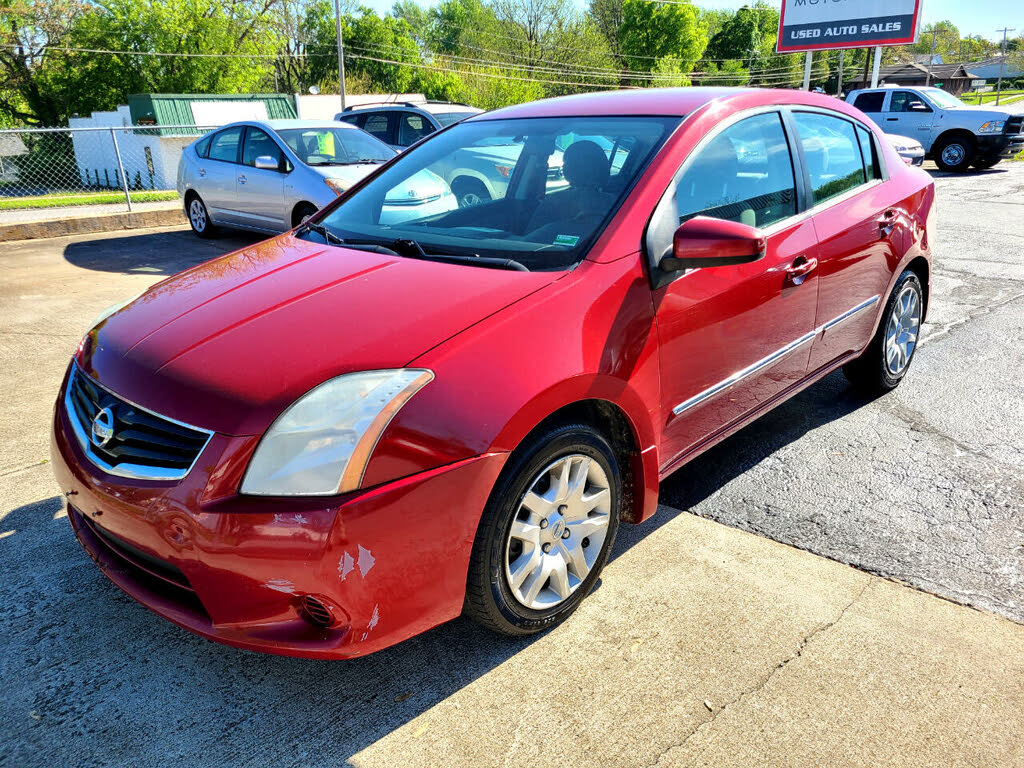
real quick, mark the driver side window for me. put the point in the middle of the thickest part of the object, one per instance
(745, 174)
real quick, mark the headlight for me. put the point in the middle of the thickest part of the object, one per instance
(993, 126)
(322, 442)
(338, 185)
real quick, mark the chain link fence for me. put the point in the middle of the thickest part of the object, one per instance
(117, 166)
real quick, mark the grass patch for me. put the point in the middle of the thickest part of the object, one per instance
(87, 198)
(1008, 97)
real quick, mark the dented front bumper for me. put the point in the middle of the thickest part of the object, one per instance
(389, 561)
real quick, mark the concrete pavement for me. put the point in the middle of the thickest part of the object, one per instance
(703, 645)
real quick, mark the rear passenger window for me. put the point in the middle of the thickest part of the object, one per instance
(745, 174)
(224, 146)
(833, 154)
(870, 154)
(377, 126)
(412, 128)
(870, 102)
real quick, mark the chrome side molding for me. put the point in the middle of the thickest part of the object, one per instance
(774, 357)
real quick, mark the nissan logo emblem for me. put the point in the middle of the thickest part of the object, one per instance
(103, 427)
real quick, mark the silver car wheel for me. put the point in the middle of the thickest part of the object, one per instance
(954, 154)
(902, 330)
(558, 532)
(197, 215)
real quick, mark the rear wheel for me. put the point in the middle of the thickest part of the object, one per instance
(886, 360)
(955, 154)
(199, 217)
(546, 532)
(302, 213)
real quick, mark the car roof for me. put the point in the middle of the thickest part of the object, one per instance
(661, 101)
(432, 107)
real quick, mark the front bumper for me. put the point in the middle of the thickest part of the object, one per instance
(1000, 145)
(390, 562)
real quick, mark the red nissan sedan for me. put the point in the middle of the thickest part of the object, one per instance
(328, 442)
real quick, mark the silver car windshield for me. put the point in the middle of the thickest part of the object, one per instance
(335, 146)
(537, 191)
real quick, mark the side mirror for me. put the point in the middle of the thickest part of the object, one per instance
(917, 106)
(707, 242)
(266, 163)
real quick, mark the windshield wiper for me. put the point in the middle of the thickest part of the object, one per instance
(324, 232)
(415, 250)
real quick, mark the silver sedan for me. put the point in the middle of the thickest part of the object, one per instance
(271, 175)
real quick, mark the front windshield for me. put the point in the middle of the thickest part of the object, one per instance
(335, 146)
(536, 191)
(942, 99)
(447, 118)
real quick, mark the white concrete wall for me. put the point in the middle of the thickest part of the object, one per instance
(324, 106)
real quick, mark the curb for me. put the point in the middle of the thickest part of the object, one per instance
(83, 225)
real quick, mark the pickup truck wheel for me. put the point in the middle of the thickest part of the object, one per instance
(984, 163)
(954, 154)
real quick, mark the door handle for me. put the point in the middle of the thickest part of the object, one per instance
(892, 119)
(241, 179)
(802, 266)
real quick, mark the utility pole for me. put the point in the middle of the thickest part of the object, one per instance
(1002, 60)
(807, 70)
(839, 86)
(341, 53)
(931, 58)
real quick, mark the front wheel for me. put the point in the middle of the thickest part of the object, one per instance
(546, 532)
(886, 360)
(954, 154)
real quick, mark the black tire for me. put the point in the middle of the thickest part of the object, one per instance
(954, 154)
(302, 212)
(870, 372)
(984, 163)
(489, 597)
(469, 192)
(199, 218)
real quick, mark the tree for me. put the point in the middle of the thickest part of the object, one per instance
(607, 18)
(658, 30)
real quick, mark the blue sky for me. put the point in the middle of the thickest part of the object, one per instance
(973, 17)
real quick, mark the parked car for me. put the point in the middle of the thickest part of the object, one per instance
(475, 175)
(271, 175)
(952, 133)
(909, 149)
(400, 125)
(334, 440)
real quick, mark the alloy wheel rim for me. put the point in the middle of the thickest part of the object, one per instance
(558, 531)
(902, 330)
(953, 154)
(197, 215)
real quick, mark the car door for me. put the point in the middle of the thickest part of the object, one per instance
(216, 183)
(260, 191)
(734, 337)
(908, 114)
(859, 228)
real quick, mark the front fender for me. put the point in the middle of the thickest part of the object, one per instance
(588, 336)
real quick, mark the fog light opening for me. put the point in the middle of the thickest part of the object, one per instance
(317, 612)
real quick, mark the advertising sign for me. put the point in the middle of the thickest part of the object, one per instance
(813, 25)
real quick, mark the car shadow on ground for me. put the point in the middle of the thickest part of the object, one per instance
(274, 703)
(164, 252)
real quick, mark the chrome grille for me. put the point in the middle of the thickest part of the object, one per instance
(127, 439)
(1015, 124)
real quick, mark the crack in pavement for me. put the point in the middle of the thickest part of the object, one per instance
(765, 680)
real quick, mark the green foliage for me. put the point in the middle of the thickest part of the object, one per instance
(661, 31)
(727, 73)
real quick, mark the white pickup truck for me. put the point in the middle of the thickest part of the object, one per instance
(953, 134)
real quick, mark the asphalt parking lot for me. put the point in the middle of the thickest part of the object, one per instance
(704, 644)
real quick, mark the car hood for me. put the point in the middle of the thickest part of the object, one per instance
(422, 184)
(227, 345)
(982, 113)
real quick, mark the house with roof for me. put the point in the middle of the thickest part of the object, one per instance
(153, 128)
(954, 78)
(988, 69)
